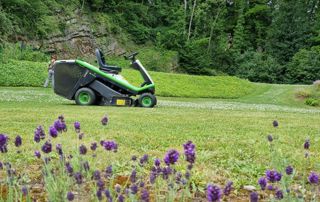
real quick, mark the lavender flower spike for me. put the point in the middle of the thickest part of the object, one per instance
(213, 193)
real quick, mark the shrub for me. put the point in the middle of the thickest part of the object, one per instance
(316, 85)
(312, 102)
(303, 93)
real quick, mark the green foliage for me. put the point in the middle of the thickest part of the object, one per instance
(305, 66)
(24, 73)
(313, 102)
(20, 51)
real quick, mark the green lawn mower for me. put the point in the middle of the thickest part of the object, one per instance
(89, 85)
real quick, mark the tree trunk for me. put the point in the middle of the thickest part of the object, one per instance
(191, 18)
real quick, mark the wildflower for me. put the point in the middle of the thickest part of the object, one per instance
(36, 137)
(70, 196)
(270, 138)
(313, 178)
(99, 195)
(190, 166)
(289, 170)
(189, 151)
(104, 120)
(134, 158)
(213, 193)
(96, 175)
(120, 198)
(58, 125)
(77, 126)
(145, 195)
(306, 144)
(134, 188)
(187, 175)
(1, 165)
(171, 157)
(24, 191)
(69, 168)
(254, 197)
(178, 177)
(133, 176)
(86, 166)
(93, 146)
(166, 172)
(152, 177)
(100, 184)
(39, 133)
(78, 178)
(270, 187)
(144, 159)
(108, 171)
(3, 143)
(273, 176)
(227, 189)
(47, 147)
(275, 123)
(64, 126)
(59, 149)
(83, 149)
(80, 136)
(101, 142)
(263, 183)
(117, 188)
(141, 184)
(157, 162)
(107, 193)
(53, 132)
(61, 118)
(110, 145)
(279, 194)
(18, 141)
(37, 154)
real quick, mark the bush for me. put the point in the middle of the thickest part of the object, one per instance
(305, 66)
(316, 85)
(25, 73)
(312, 102)
(303, 93)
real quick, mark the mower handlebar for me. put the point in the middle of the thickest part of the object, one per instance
(132, 56)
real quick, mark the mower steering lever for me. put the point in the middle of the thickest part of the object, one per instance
(131, 56)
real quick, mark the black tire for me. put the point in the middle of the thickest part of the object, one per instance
(85, 96)
(147, 100)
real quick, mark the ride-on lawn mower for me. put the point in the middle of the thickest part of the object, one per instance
(88, 85)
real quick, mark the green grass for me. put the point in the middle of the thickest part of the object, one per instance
(230, 136)
(25, 73)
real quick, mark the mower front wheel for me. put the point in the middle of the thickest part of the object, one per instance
(147, 100)
(85, 96)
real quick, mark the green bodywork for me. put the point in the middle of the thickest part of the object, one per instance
(108, 76)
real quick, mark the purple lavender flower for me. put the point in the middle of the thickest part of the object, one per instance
(275, 123)
(152, 177)
(270, 187)
(313, 178)
(270, 138)
(59, 149)
(110, 145)
(190, 166)
(227, 189)
(120, 198)
(289, 170)
(53, 132)
(58, 125)
(133, 176)
(83, 149)
(36, 137)
(80, 136)
(157, 162)
(279, 194)
(64, 126)
(189, 152)
(18, 141)
(24, 191)
(254, 197)
(144, 159)
(145, 195)
(93, 146)
(47, 147)
(107, 193)
(117, 188)
(263, 183)
(70, 196)
(134, 158)
(99, 195)
(306, 144)
(78, 178)
(213, 193)
(108, 171)
(39, 134)
(273, 175)
(100, 184)
(3, 143)
(134, 188)
(104, 120)
(171, 157)
(187, 175)
(77, 126)
(166, 172)
(69, 168)
(141, 184)
(61, 118)
(37, 154)
(86, 166)
(96, 175)
(1, 165)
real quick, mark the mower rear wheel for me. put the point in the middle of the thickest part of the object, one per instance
(147, 100)
(85, 96)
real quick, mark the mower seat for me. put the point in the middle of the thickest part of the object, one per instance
(103, 66)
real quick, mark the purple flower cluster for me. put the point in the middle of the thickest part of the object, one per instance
(214, 193)
(313, 178)
(273, 176)
(18, 141)
(83, 149)
(47, 147)
(77, 126)
(189, 152)
(3, 143)
(263, 183)
(306, 144)
(171, 157)
(104, 120)
(289, 170)
(53, 132)
(110, 146)
(39, 134)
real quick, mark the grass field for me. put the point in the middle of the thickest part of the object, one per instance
(230, 135)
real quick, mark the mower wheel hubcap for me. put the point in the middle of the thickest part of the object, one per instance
(147, 101)
(84, 97)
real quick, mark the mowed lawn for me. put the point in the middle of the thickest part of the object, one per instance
(230, 136)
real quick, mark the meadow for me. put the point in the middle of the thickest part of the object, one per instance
(230, 134)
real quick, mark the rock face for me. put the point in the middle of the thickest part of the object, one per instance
(80, 37)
